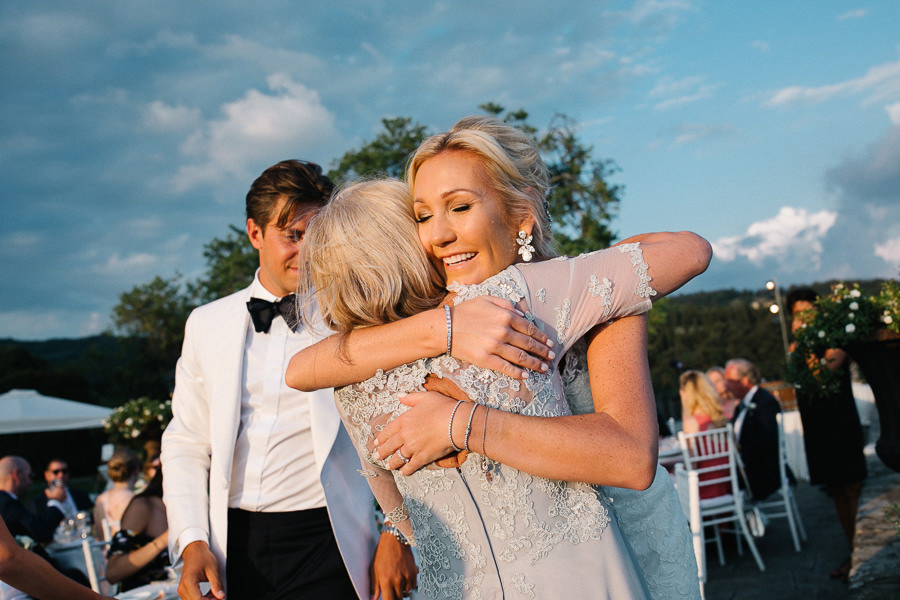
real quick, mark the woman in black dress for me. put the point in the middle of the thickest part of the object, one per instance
(832, 433)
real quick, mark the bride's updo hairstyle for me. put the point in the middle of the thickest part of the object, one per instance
(362, 260)
(513, 165)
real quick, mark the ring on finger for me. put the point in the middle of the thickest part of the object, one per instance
(401, 457)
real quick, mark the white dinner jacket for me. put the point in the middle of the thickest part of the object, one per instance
(198, 445)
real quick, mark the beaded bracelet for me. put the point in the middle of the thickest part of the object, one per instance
(392, 529)
(450, 427)
(469, 426)
(449, 327)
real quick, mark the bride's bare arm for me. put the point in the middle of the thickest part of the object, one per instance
(486, 331)
(616, 445)
(675, 257)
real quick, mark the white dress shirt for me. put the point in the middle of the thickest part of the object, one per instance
(274, 467)
(66, 507)
(744, 408)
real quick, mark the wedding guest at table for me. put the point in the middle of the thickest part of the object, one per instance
(123, 469)
(716, 376)
(832, 433)
(15, 479)
(58, 495)
(139, 551)
(26, 571)
(755, 427)
(702, 410)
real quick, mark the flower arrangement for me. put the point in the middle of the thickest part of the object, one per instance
(845, 316)
(128, 422)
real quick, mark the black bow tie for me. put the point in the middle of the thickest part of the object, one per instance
(262, 312)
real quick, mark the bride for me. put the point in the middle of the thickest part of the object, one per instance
(491, 523)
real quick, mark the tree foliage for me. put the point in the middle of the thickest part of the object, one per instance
(385, 155)
(230, 263)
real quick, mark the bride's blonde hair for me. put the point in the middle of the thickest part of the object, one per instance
(361, 259)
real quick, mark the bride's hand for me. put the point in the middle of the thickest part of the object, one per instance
(490, 333)
(420, 434)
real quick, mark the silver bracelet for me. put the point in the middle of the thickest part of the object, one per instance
(469, 427)
(449, 327)
(392, 529)
(450, 428)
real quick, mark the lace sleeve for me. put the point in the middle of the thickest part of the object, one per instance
(365, 408)
(572, 295)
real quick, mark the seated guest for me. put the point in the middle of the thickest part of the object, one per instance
(139, 551)
(755, 427)
(717, 378)
(15, 478)
(123, 470)
(57, 494)
(702, 410)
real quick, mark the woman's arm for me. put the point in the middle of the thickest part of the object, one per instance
(136, 518)
(28, 572)
(485, 331)
(674, 258)
(617, 445)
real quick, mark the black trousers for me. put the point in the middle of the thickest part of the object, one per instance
(284, 556)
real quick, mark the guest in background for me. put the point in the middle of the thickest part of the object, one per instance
(26, 571)
(729, 403)
(148, 471)
(122, 469)
(832, 433)
(139, 551)
(701, 410)
(58, 495)
(15, 479)
(755, 427)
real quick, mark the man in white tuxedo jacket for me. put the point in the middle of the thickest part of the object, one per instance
(261, 481)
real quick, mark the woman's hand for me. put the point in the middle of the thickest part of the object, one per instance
(421, 433)
(490, 333)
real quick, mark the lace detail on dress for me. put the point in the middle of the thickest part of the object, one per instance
(397, 515)
(501, 285)
(602, 289)
(640, 268)
(542, 295)
(563, 320)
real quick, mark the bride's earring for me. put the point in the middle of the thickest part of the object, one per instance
(525, 247)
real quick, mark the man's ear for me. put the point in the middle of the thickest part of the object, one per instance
(255, 233)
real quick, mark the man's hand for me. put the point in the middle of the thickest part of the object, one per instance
(54, 492)
(393, 572)
(199, 565)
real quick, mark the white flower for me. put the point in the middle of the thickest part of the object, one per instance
(839, 286)
(129, 421)
(854, 306)
(135, 433)
(822, 333)
(851, 315)
(850, 328)
(855, 293)
(888, 319)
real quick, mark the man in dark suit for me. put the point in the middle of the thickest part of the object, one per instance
(57, 500)
(755, 427)
(15, 477)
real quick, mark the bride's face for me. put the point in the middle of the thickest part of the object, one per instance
(462, 224)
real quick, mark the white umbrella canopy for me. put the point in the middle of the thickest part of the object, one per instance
(26, 411)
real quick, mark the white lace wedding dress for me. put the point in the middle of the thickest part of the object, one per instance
(487, 530)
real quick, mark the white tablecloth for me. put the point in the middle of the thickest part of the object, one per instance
(793, 440)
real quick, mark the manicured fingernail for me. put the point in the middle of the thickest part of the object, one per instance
(524, 374)
(549, 343)
(544, 367)
(552, 355)
(520, 313)
(375, 454)
(401, 395)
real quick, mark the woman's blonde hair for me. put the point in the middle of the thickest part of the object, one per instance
(361, 259)
(698, 395)
(123, 465)
(512, 164)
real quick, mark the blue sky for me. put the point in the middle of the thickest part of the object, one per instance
(130, 132)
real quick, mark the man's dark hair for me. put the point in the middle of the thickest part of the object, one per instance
(298, 181)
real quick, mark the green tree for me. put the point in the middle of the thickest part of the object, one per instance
(230, 263)
(385, 155)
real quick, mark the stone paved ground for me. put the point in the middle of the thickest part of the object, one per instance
(790, 575)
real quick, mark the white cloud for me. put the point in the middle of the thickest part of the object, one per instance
(159, 116)
(889, 251)
(93, 325)
(793, 234)
(853, 14)
(878, 83)
(118, 265)
(291, 121)
(678, 92)
(893, 111)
